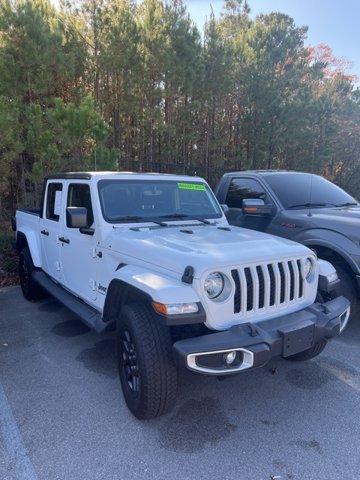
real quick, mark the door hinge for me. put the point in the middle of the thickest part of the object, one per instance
(58, 266)
(92, 284)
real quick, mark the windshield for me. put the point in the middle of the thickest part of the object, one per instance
(302, 190)
(144, 200)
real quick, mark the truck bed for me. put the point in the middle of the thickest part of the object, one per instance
(27, 222)
(27, 218)
(31, 211)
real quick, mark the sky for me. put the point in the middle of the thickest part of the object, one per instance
(334, 22)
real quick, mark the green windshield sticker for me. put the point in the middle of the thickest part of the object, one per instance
(192, 186)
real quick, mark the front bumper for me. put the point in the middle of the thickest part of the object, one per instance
(256, 344)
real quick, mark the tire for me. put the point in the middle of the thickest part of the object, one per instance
(31, 290)
(147, 369)
(348, 289)
(308, 354)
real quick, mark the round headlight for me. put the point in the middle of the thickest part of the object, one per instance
(308, 268)
(214, 285)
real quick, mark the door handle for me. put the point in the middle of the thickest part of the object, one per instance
(64, 240)
(45, 232)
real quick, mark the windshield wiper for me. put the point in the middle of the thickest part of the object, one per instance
(203, 220)
(175, 215)
(127, 218)
(183, 215)
(137, 218)
(347, 204)
(308, 205)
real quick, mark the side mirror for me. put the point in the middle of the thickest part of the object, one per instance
(256, 206)
(225, 208)
(76, 217)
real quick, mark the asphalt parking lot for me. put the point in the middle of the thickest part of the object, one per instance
(62, 414)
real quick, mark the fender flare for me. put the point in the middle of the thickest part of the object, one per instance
(136, 284)
(117, 294)
(27, 237)
(333, 241)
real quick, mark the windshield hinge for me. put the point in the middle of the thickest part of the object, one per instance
(188, 275)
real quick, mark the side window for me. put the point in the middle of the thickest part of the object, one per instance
(53, 201)
(243, 188)
(79, 196)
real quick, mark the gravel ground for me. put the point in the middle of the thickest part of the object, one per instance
(62, 414)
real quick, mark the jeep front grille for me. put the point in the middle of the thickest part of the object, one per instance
(268, 285)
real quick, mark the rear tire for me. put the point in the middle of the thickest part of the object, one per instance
(147, 369)
(31, 290)
(308, 354)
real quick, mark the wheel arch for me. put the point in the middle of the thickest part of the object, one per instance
(118, 294)
(21, 241)
(26, 238)
(333, 254)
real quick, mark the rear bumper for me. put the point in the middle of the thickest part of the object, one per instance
(256, 344)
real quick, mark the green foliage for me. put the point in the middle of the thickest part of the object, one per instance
(10, 144)
(8, 257)
(131, 84)
(63, 137)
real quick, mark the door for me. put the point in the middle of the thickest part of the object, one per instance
(78, 250)
(243, 188)
(50, 225)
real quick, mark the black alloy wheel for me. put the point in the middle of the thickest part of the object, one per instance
(31, 290)
(129, 362)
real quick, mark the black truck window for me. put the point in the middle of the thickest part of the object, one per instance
(51, 207)
(244, 188)
(295, 190)
(79, 196)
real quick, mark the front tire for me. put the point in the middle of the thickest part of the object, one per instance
(146, 366)
(31, 290)
(309, 353)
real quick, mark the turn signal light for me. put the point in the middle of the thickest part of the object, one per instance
(175, 308)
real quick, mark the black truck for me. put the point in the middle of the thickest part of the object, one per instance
(303, 207)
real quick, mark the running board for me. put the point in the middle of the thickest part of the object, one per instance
(90, 316)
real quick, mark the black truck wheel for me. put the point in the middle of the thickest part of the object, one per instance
(309, 353)
(31, 290)
(147, 369)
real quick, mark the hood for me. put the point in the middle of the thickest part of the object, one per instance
(207, 248)
(350, 215)
(345, 220)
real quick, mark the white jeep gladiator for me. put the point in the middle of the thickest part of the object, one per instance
(154, 255)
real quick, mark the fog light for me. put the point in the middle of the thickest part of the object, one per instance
(229, 358)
